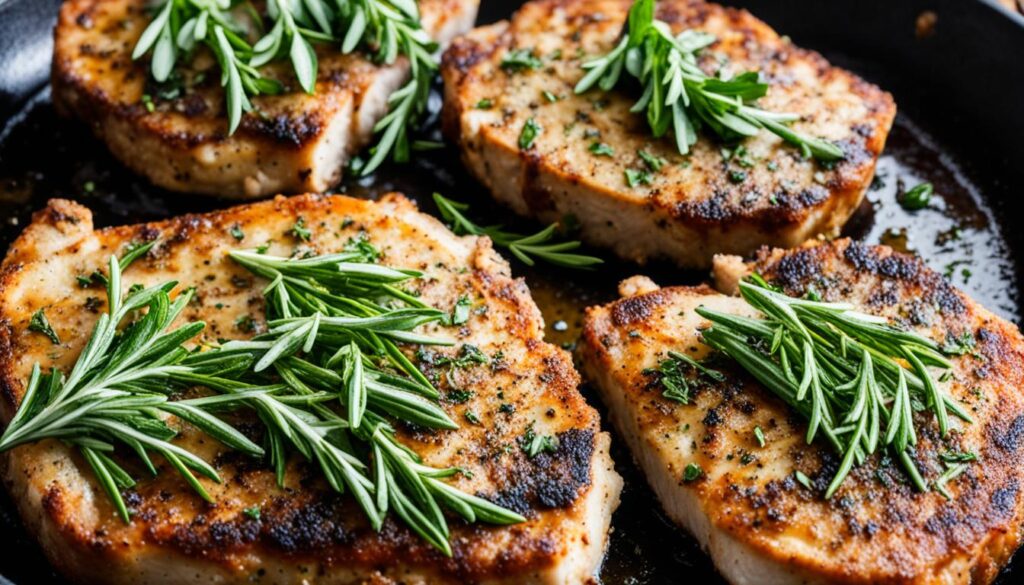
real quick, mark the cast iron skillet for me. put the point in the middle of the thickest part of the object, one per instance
(960, 91)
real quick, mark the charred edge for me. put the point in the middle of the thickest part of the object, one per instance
(550, 480)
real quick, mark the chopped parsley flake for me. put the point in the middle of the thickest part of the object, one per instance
(692, 472)
(654, 163)
(300, 231)
(759, 435)
(635, 177)
(40, 324)
(601, 149)
(518, 60)
(531, 129)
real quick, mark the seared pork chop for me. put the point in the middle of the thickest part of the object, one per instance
(749, 507)
(718, 199)
(306, 532)
(292, 142)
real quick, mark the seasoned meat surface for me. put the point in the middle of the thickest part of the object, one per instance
(749, 509)
(719, 199)
(306, 532)
(292, 142)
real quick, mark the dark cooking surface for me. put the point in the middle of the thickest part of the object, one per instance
(42, 156)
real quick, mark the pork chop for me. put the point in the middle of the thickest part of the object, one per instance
(292, 142)
(748, 506)
(716, 200)
(306, 531)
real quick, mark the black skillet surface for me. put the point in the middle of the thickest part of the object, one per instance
(959, 86)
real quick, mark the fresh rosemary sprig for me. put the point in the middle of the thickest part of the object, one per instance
(182, 25)
(335, 324)
(388, 28)
(679, 96)
(528, 249)
(385, 29)
(857, 379)
(116, 393)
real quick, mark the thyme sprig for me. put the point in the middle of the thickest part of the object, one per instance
(384, 29)
(856, 379)
(678, 95)
(527, 248)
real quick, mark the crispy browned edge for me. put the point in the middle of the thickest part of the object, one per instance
(847, 184)
(985, 523)
(555, 483)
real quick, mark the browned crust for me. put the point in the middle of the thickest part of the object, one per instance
(313, 526)
(868, 533)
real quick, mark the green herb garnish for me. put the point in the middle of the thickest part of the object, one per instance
(679, 96)
(601, 149)
(518, 60)
(673, 376)
(759, 437)
(856, 379)
(637, 177)
(41, 324)
(325, 380)
(917, 197)
(692, 472)
(531, 129)
(385, 29)
(528, 249)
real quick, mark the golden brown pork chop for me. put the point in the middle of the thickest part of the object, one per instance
(757, 521)
(696, 206)
(306, 532)
(292, 142)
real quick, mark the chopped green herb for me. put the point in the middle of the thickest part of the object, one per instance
(472, 418)
(959, 345)
(654, 163)
(300, 231)
(601, 149)
(531, 129)
(635, 177)
(673, 376)
(552, 98)
(535, 444)
(237, 233)
(485, 104)
(759, 436)
(460, 313)
(518, 60)
(692, 472)
(460, 396)
(802, 479)
(737, 176)
(253, 512)
(917, 197)
(40, 324)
